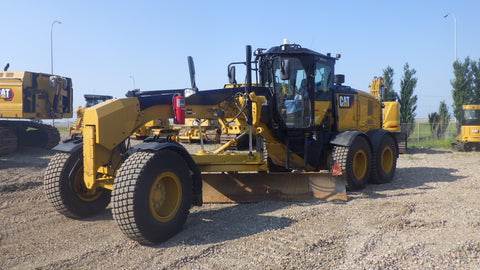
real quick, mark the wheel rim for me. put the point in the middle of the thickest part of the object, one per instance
(359, 165)
(165, 196)
(82, 192)
(387, 159)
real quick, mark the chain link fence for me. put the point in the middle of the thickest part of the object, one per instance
(421, 130)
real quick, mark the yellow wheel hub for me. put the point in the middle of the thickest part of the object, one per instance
(82, 192)
(387, 159)
(359, 165)
(165, 196)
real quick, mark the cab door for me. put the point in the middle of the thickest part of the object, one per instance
(323, 81)
(293, 101)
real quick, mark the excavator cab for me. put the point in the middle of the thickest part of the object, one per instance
(472, 115)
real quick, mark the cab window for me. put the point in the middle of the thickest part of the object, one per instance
(323, 82)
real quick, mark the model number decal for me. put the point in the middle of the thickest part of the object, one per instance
(346, 101)
(6, 94)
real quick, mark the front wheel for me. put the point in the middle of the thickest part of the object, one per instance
(66, 190)
(152, 196)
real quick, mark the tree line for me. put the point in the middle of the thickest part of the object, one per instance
(466, 87)
(465, 90)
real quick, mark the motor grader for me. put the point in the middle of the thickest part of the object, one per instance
(390, 114)
(90, 100)
(25, 99)
(317, 137)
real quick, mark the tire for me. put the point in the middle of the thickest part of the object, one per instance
(384, 161)
(355, 162)
(152, 196)
(66, 191)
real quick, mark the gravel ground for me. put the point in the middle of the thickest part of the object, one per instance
(427, 218)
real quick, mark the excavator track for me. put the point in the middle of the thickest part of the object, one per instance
(8, 141)
(16, 133)
(53, 136)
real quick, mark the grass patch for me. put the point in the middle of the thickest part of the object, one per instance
(62, 129)
(429, 143)
(421, 137)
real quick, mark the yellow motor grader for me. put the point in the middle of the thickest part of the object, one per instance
(90, 100)
(390, 114)
(318, 136)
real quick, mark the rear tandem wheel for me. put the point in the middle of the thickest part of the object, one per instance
(384, 161)
(355, 162)
(152, 196)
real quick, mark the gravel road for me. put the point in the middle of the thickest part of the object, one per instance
(427, 218)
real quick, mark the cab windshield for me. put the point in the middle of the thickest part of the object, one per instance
(472, 117)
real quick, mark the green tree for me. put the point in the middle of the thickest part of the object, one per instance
(433, 119)
(389, 94)
(444, 120)
(407, 100)
(439, 121)
(475, 71)
(462, 92)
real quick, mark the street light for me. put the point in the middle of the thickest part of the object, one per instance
(133, 82)
(455, 22)
(51, 44)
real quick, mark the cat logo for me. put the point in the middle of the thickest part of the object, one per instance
(6, 94)
(346, 101)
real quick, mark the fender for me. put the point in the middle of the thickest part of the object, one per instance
(155, 146)
(69, 145)
(345, 138)
(376, 136)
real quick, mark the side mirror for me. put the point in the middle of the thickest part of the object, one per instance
(338, 79)
(231, 75)
(285, 69)
(191, 69)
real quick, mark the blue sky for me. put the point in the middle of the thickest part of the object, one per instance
(101, 44)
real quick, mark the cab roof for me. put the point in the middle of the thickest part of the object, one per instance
(293, 49)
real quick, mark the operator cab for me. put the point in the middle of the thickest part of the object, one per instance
(472, 115)
(91, 100)
(301, 81)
